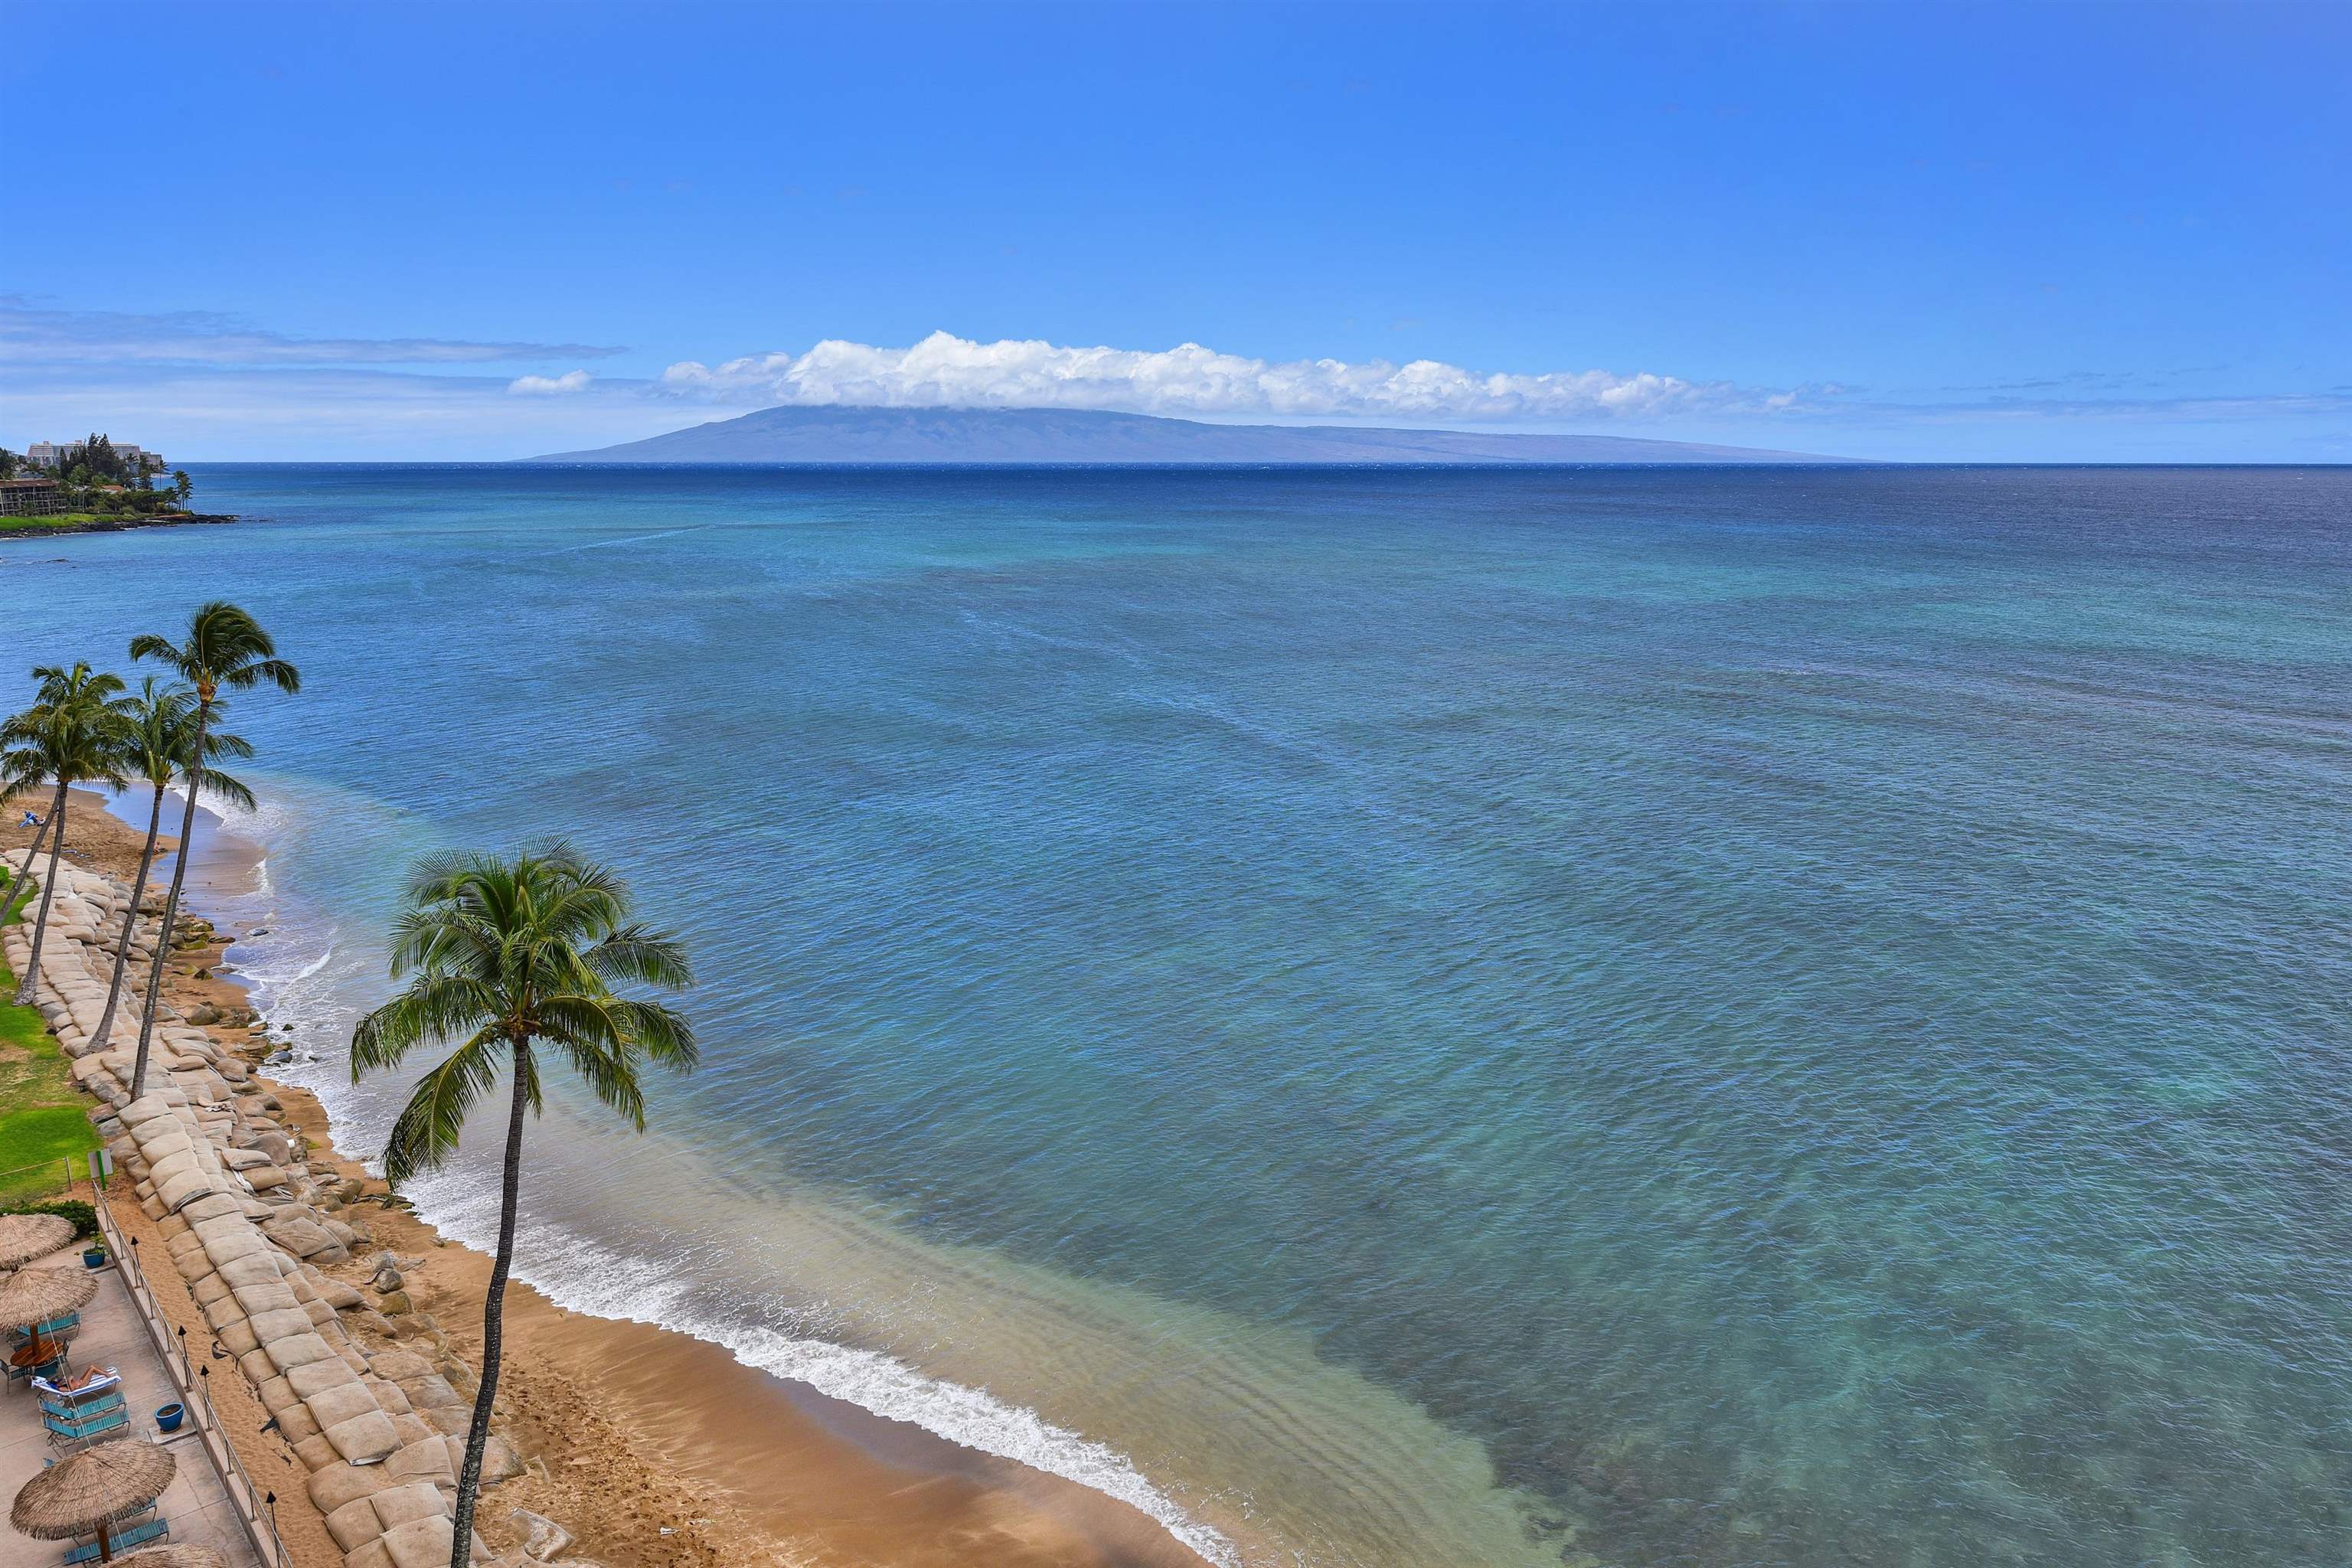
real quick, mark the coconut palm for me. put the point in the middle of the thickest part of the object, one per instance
(515, 959)
(163, 728)
(74, 734)
(52, 687)
(224, 648)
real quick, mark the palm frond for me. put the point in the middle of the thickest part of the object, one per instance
(634, 952)
(436, 1007)
(426, 1133)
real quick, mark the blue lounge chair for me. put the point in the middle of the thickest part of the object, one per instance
(72, 1431)
(63, 1327)
(130, 1538)
(79, 1416)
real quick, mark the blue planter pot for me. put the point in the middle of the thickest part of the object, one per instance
(168, 1418)
(95, 1258)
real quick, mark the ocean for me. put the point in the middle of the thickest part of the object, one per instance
(1403, 1018)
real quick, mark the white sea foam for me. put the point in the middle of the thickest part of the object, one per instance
(583, 1273)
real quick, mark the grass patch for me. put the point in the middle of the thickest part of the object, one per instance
(42, 1119)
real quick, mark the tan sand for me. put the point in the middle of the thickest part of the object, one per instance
(656, 1450)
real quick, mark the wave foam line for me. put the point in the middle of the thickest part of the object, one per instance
(594, 1279)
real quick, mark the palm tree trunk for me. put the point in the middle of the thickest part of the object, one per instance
(25, 987)
(130, 926)
(478, 1435)
(24, 868)
(195, 780)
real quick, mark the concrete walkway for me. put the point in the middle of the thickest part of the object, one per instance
(111, 1336)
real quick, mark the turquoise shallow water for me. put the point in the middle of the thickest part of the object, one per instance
(1711, 1017)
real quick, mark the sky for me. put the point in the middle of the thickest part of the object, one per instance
(2063, 232)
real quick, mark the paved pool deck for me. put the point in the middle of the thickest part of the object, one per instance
(112, 1335)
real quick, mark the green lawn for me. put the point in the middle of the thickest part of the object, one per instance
(42, 1122)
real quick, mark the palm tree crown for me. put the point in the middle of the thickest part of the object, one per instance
(76, 732)
(162, 734)
(224, 648)
(501, 953)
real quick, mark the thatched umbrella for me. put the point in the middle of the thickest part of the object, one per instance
(172, 1557)
(24, 1236)
(92, 1490)
(34, 1296)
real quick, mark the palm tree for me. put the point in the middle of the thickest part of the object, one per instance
(51, 689)
(224, 648)
(506, 955)
(75, 734)
(163, 721)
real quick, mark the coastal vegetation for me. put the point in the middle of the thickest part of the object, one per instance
(98, 481)
(90, 486)
(83, 727)
(515, 959)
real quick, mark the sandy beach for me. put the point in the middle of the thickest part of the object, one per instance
(655, 1449)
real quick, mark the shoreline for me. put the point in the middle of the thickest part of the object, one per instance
(656, 1448)
(29, 526)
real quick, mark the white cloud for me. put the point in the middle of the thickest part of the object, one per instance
(32, 333)
(944, 371)
(550, 385)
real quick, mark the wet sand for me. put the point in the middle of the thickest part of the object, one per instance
(656, 1450)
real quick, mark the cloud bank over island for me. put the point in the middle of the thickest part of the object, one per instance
(211, 385)
(944, 371)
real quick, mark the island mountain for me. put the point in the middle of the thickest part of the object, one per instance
(847, 434)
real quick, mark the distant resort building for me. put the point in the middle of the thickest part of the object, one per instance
(30, 498)
(46, 455)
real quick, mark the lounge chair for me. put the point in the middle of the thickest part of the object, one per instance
(59, 1328)
(37, 1370)
(78, 1416)
(130, 1538)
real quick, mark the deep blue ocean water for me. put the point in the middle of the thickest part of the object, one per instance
(1709, 1017)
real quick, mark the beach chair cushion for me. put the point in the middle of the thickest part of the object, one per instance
(90, 1423)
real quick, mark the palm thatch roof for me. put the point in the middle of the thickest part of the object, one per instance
(104, 1483)
(37, 1295)
(24, 1236)
(172, 1557)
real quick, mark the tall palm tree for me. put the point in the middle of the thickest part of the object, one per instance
(163, 728)
(75, 734)
(506, 955)
(224, 648)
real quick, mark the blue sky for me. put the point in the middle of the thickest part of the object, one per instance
(2056, 232)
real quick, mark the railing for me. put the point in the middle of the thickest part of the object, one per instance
(256, 1509)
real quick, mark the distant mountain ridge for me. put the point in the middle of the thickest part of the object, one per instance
(854, 434)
